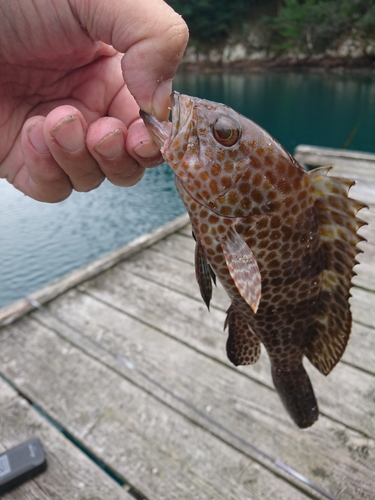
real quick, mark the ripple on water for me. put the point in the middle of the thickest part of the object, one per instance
(40, 242)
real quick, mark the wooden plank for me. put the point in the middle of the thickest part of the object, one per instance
(179, 246)
(350, 164)
(360, 348)
(181, 318)
(172, 273)
(251, 410)
(70, 474)
(363, 306)
(153, 447)
(354, 164)
(20, 307)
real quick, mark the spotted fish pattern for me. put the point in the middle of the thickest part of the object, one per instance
(282, 241)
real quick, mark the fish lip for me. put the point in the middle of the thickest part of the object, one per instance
(160, 131)
(182, 110)
(175, 107)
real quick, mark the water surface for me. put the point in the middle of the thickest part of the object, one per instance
(321, 109)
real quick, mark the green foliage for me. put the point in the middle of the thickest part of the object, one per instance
(313, 24)
(211, 21)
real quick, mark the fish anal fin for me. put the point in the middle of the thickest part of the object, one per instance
(338, 225)
(243, 346)
(204, 274)
(242, 267)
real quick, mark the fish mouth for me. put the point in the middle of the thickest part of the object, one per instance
(161, 131)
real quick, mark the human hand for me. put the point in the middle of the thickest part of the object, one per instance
(67, 119)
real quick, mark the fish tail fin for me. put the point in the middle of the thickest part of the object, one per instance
(297, 395)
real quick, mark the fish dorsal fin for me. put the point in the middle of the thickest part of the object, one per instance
(204, 274)
(243, 346)
(242, 267)
(338, 225)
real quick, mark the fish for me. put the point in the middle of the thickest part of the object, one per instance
(281, 240)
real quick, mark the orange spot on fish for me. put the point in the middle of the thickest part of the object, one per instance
(225, 210)
(220, 155)
(271, 176)
(297, 184)
(216, 169)
(268, 160)
(226, 182)
(246, 202)
(203, 175)
(214, 187)
(233, 198)
(244, 188)
(213, 219)
(209, 153)
(281, 167)
(257, 196)
(244, 149)
(255, 163)
(228, 167)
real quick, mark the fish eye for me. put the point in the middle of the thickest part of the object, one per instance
(226, 131)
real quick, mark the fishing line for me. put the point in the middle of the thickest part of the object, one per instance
(130, 366)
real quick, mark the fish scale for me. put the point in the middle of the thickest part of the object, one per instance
(282, 241)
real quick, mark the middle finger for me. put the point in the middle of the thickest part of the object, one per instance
(65, 134)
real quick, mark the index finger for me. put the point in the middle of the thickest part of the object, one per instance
(152, 37)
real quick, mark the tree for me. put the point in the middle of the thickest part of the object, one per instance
(314, 24)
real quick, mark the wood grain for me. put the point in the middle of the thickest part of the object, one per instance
(156, 449)
(70, 474)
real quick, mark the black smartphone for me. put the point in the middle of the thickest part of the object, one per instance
(21, 463)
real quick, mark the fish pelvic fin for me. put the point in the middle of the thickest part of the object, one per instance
(338, 225)
(297, 395)
(242, 267)
(204, 274)
(243, 346)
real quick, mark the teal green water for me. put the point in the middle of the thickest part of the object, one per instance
(322, 109)
(40, 242)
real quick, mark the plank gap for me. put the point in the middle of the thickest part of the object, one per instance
(186, 344)
(77, 444)
(217, 429)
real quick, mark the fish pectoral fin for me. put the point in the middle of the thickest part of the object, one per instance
(203, 273)
(338, 225)
(243, 346)
(242, 267)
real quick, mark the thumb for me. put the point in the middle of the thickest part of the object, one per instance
(152, 37)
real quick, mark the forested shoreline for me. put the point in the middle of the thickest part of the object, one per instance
(279, 33)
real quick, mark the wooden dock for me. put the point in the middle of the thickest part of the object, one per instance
(122, 372)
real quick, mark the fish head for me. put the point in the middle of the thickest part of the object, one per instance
(213, 150)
